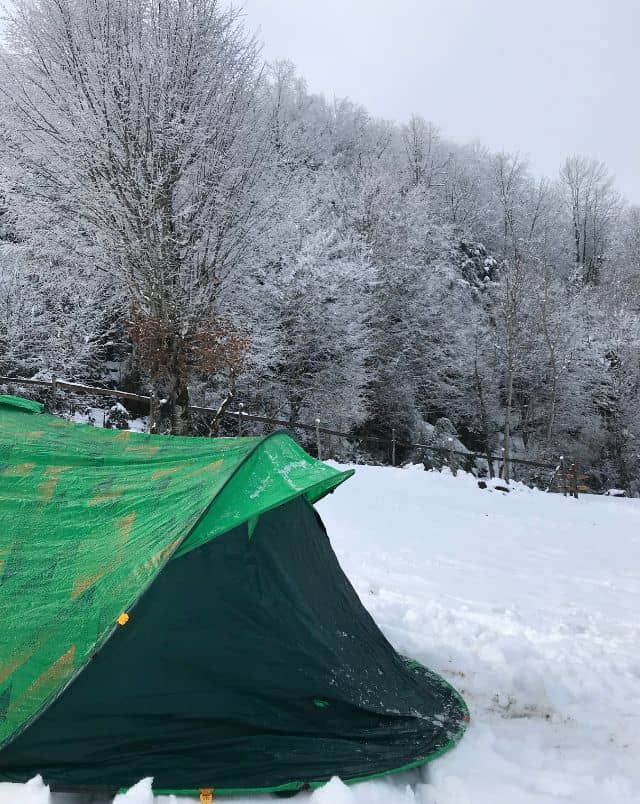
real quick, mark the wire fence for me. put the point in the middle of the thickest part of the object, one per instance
(563, 475)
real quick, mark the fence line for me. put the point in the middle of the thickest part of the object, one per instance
(241, 416)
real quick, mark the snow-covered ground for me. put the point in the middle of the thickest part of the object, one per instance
(527, 602)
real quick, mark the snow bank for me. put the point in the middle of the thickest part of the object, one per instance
(527, 602)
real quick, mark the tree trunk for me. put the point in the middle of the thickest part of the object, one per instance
(484, 422)
(180, 418)
(576, 234)
(178, 396)
(507, 425)
(552, 411)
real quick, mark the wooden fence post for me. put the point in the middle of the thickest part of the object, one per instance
(453, 464)
(563, 476)
(318, 444)
(152, 412)
(573, 481)
(393, 446)
(240, 407)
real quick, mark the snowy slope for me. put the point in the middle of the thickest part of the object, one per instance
(527, 602)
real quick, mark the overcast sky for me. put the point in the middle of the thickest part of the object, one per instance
(546, 78)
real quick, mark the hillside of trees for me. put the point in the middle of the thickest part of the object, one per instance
(177, 216)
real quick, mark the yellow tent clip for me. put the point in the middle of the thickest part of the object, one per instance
(123, 619)
(206, 795)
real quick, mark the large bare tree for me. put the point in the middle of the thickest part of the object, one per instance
(141, 122)
(594, 206)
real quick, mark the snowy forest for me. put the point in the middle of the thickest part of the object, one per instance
(178, 217)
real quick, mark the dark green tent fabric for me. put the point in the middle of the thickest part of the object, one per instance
(248, 664)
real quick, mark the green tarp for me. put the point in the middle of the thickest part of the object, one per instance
(248, 664)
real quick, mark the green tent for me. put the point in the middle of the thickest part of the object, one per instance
(172, 607)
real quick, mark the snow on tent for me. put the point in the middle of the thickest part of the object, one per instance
(171, 607)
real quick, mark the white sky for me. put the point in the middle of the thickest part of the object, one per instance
(546, 78)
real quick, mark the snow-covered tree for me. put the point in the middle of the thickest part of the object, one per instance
(594, 205)
(140, 122)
